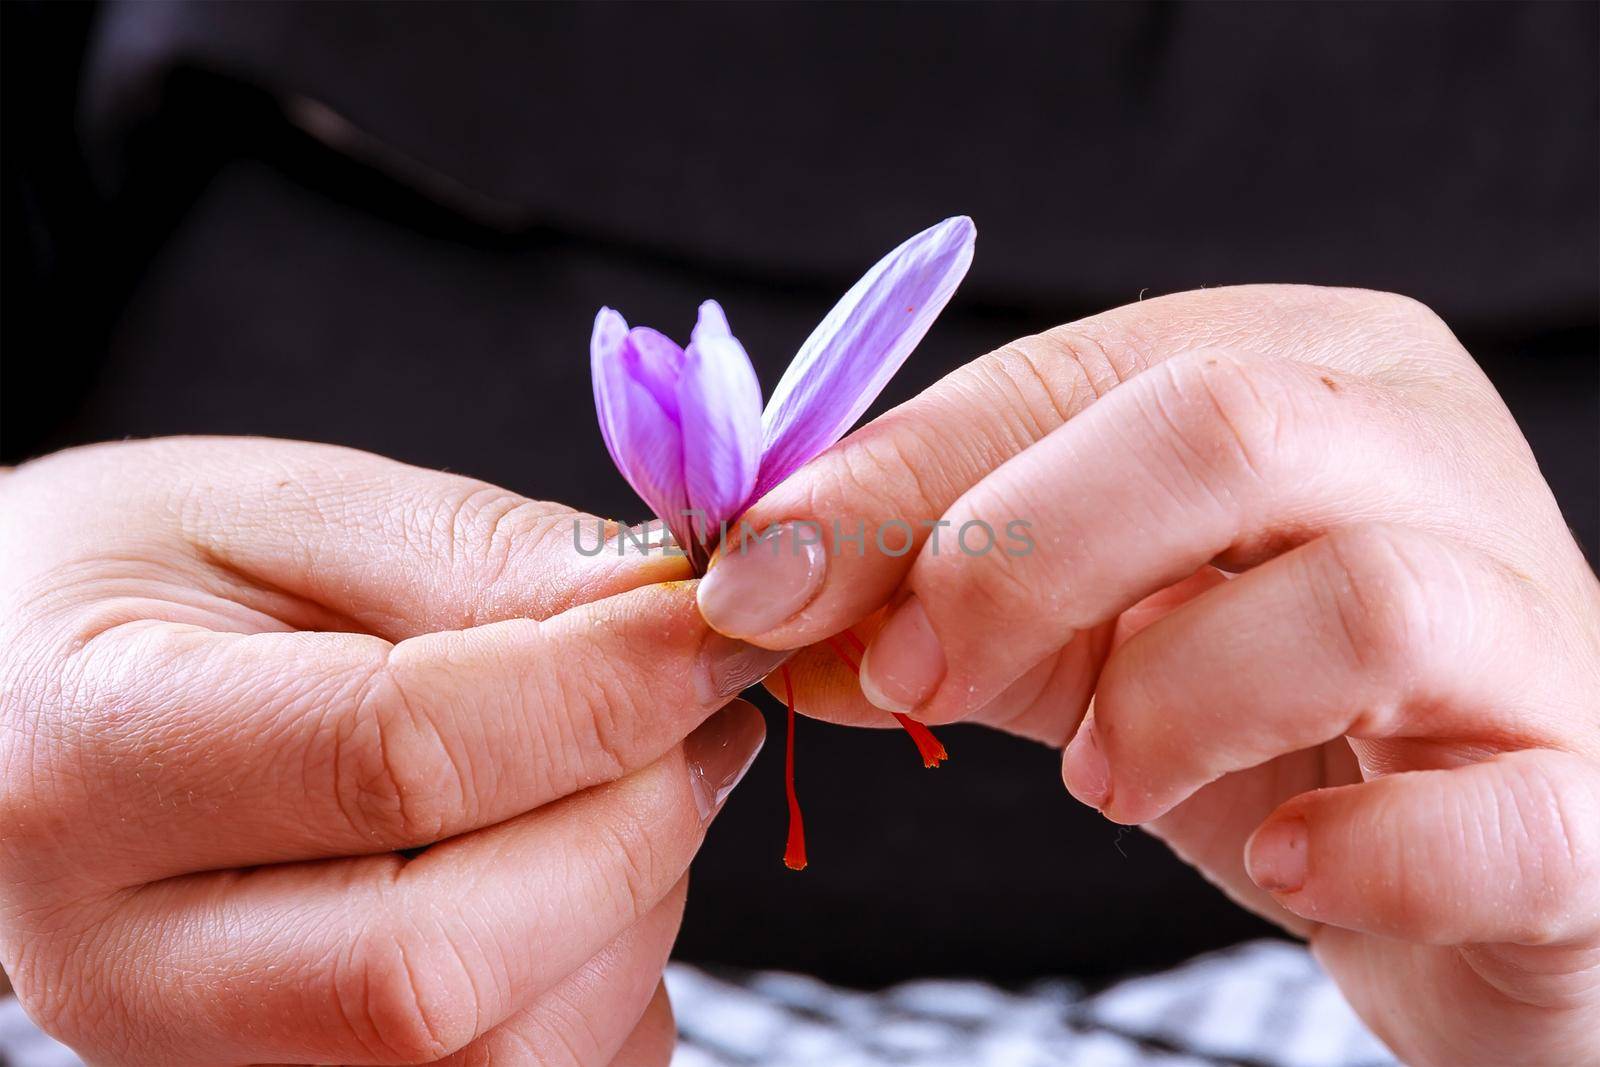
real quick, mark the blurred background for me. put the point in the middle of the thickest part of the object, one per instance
(389, 226)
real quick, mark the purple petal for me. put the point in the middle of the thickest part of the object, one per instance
(711, 320)
(656, 361)
(644, 440)
(856, 349)
(719, 401)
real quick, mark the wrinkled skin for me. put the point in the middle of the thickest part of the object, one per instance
(1301, 605)
(241, 681)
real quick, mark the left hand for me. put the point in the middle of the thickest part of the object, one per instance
(243, 680)
(1384, 734)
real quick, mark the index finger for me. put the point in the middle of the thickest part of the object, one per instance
(871, 502)
(319, 537)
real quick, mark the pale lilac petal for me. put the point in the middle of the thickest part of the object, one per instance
(644, 440)
(711, 320)
(606, 355)
(856, 349)
(656, 363)
(719, 404)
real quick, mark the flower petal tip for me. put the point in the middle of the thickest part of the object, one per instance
(609, 330)
(712, 320)
(963, 225)
(859, 345)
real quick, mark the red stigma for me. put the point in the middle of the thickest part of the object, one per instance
(794, 852)
(928, 746)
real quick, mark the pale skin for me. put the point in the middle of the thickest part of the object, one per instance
(243, 680)
(238, 677)
(1301, 605)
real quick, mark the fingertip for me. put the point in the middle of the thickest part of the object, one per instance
(875, 695)
(905, 663)
(729, 666)
(719, 753)
(1084, 768)
(755, 586)
(1277, 855)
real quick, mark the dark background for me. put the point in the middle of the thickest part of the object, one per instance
(390, 227)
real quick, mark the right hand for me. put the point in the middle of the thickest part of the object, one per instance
(1381, 733)
(237, 677)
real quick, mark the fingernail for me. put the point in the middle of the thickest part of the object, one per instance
(1084, 768)
(757, 584)
(729, 666)
(720, 751)
(905, 662)
(1275, 856)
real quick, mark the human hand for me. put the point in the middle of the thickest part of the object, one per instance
(1384, 733)
(238, 676)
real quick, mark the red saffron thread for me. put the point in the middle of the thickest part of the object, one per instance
(929, 747)
(794, 852)
(833, 643)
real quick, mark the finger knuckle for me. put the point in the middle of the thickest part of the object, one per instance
(1399, 893)
(867, 478)
(897, 460)
(1232, 423)
(1387, 333)
(404, 996)
(484, 545)
(1392, 595)
(916, 459)
(992, 585)
(1557, 819)
(639, 862)
(1398, 311)
(1303, 308)
(1091, 358)
(395, 780)
(1042, 381)
(480, 528)
(595, 718)
(634, 862)
(1033, 385)
(598, 725)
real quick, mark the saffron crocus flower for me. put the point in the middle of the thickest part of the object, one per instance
(686, 429)
(685, 425)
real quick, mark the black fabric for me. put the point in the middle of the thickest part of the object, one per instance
(389, 226)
